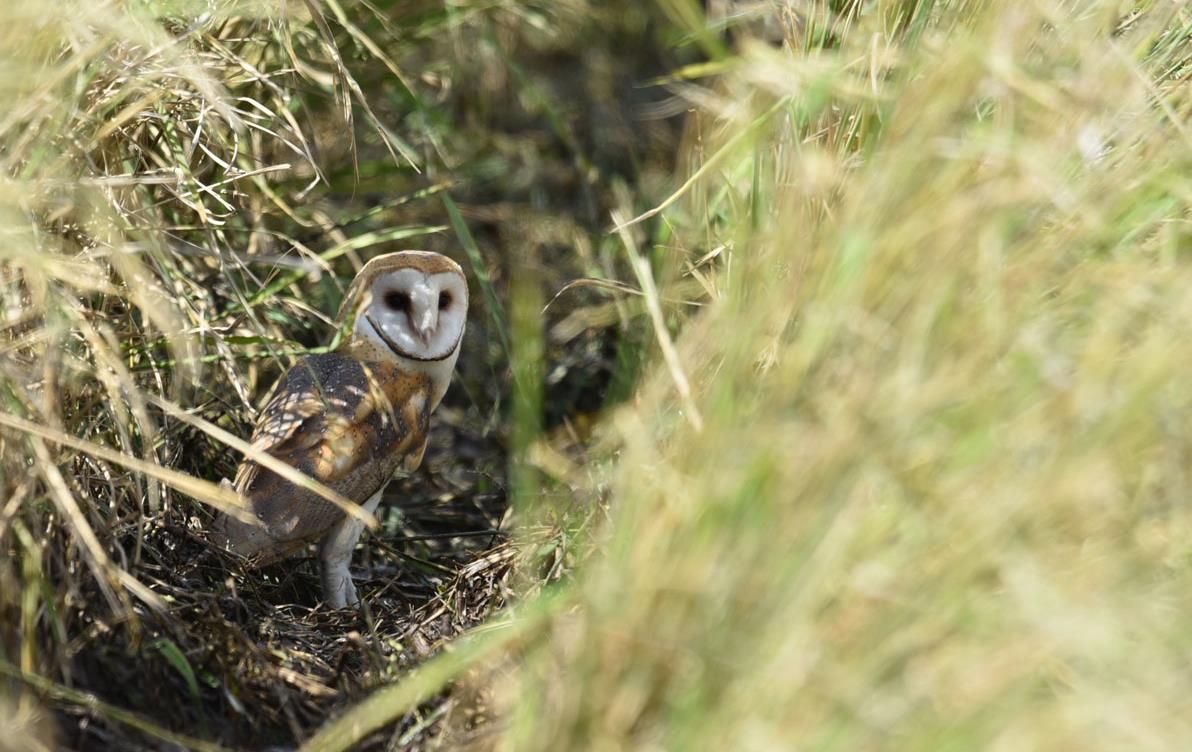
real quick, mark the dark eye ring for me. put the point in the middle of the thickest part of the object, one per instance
(397, 301)
(444, 300)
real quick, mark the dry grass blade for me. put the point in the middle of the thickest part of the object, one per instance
(739, 139)
(468, 651)
(94, 705)
(645, 278)
(198, 489)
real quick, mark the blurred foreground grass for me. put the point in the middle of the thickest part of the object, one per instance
(938, 493)
(910, 467)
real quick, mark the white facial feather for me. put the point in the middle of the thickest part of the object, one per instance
(417, 319)
(418, 316)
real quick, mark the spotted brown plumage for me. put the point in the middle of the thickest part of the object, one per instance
(349, 425)
(350, 418)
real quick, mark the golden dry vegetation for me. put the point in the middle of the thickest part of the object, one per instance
(825, 387)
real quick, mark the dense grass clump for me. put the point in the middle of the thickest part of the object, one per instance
(864, 427)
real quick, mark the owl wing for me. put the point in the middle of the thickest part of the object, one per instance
(346, 424)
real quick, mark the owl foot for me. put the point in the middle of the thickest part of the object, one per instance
(338, 589)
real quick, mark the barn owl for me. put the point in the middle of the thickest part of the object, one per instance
(351, 417)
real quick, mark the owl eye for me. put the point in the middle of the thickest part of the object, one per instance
(396, 300)
(444, 300)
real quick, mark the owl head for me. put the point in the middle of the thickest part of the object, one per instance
(408, 307)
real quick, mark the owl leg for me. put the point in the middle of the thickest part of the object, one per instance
(336, 554)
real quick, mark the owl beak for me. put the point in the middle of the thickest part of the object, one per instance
(426, 324)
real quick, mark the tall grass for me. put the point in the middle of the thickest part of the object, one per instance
(907, 470)
(153, 160)
(916, 475)
(185, 190)
(938, 496)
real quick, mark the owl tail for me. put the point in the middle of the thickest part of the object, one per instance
(235, 536)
